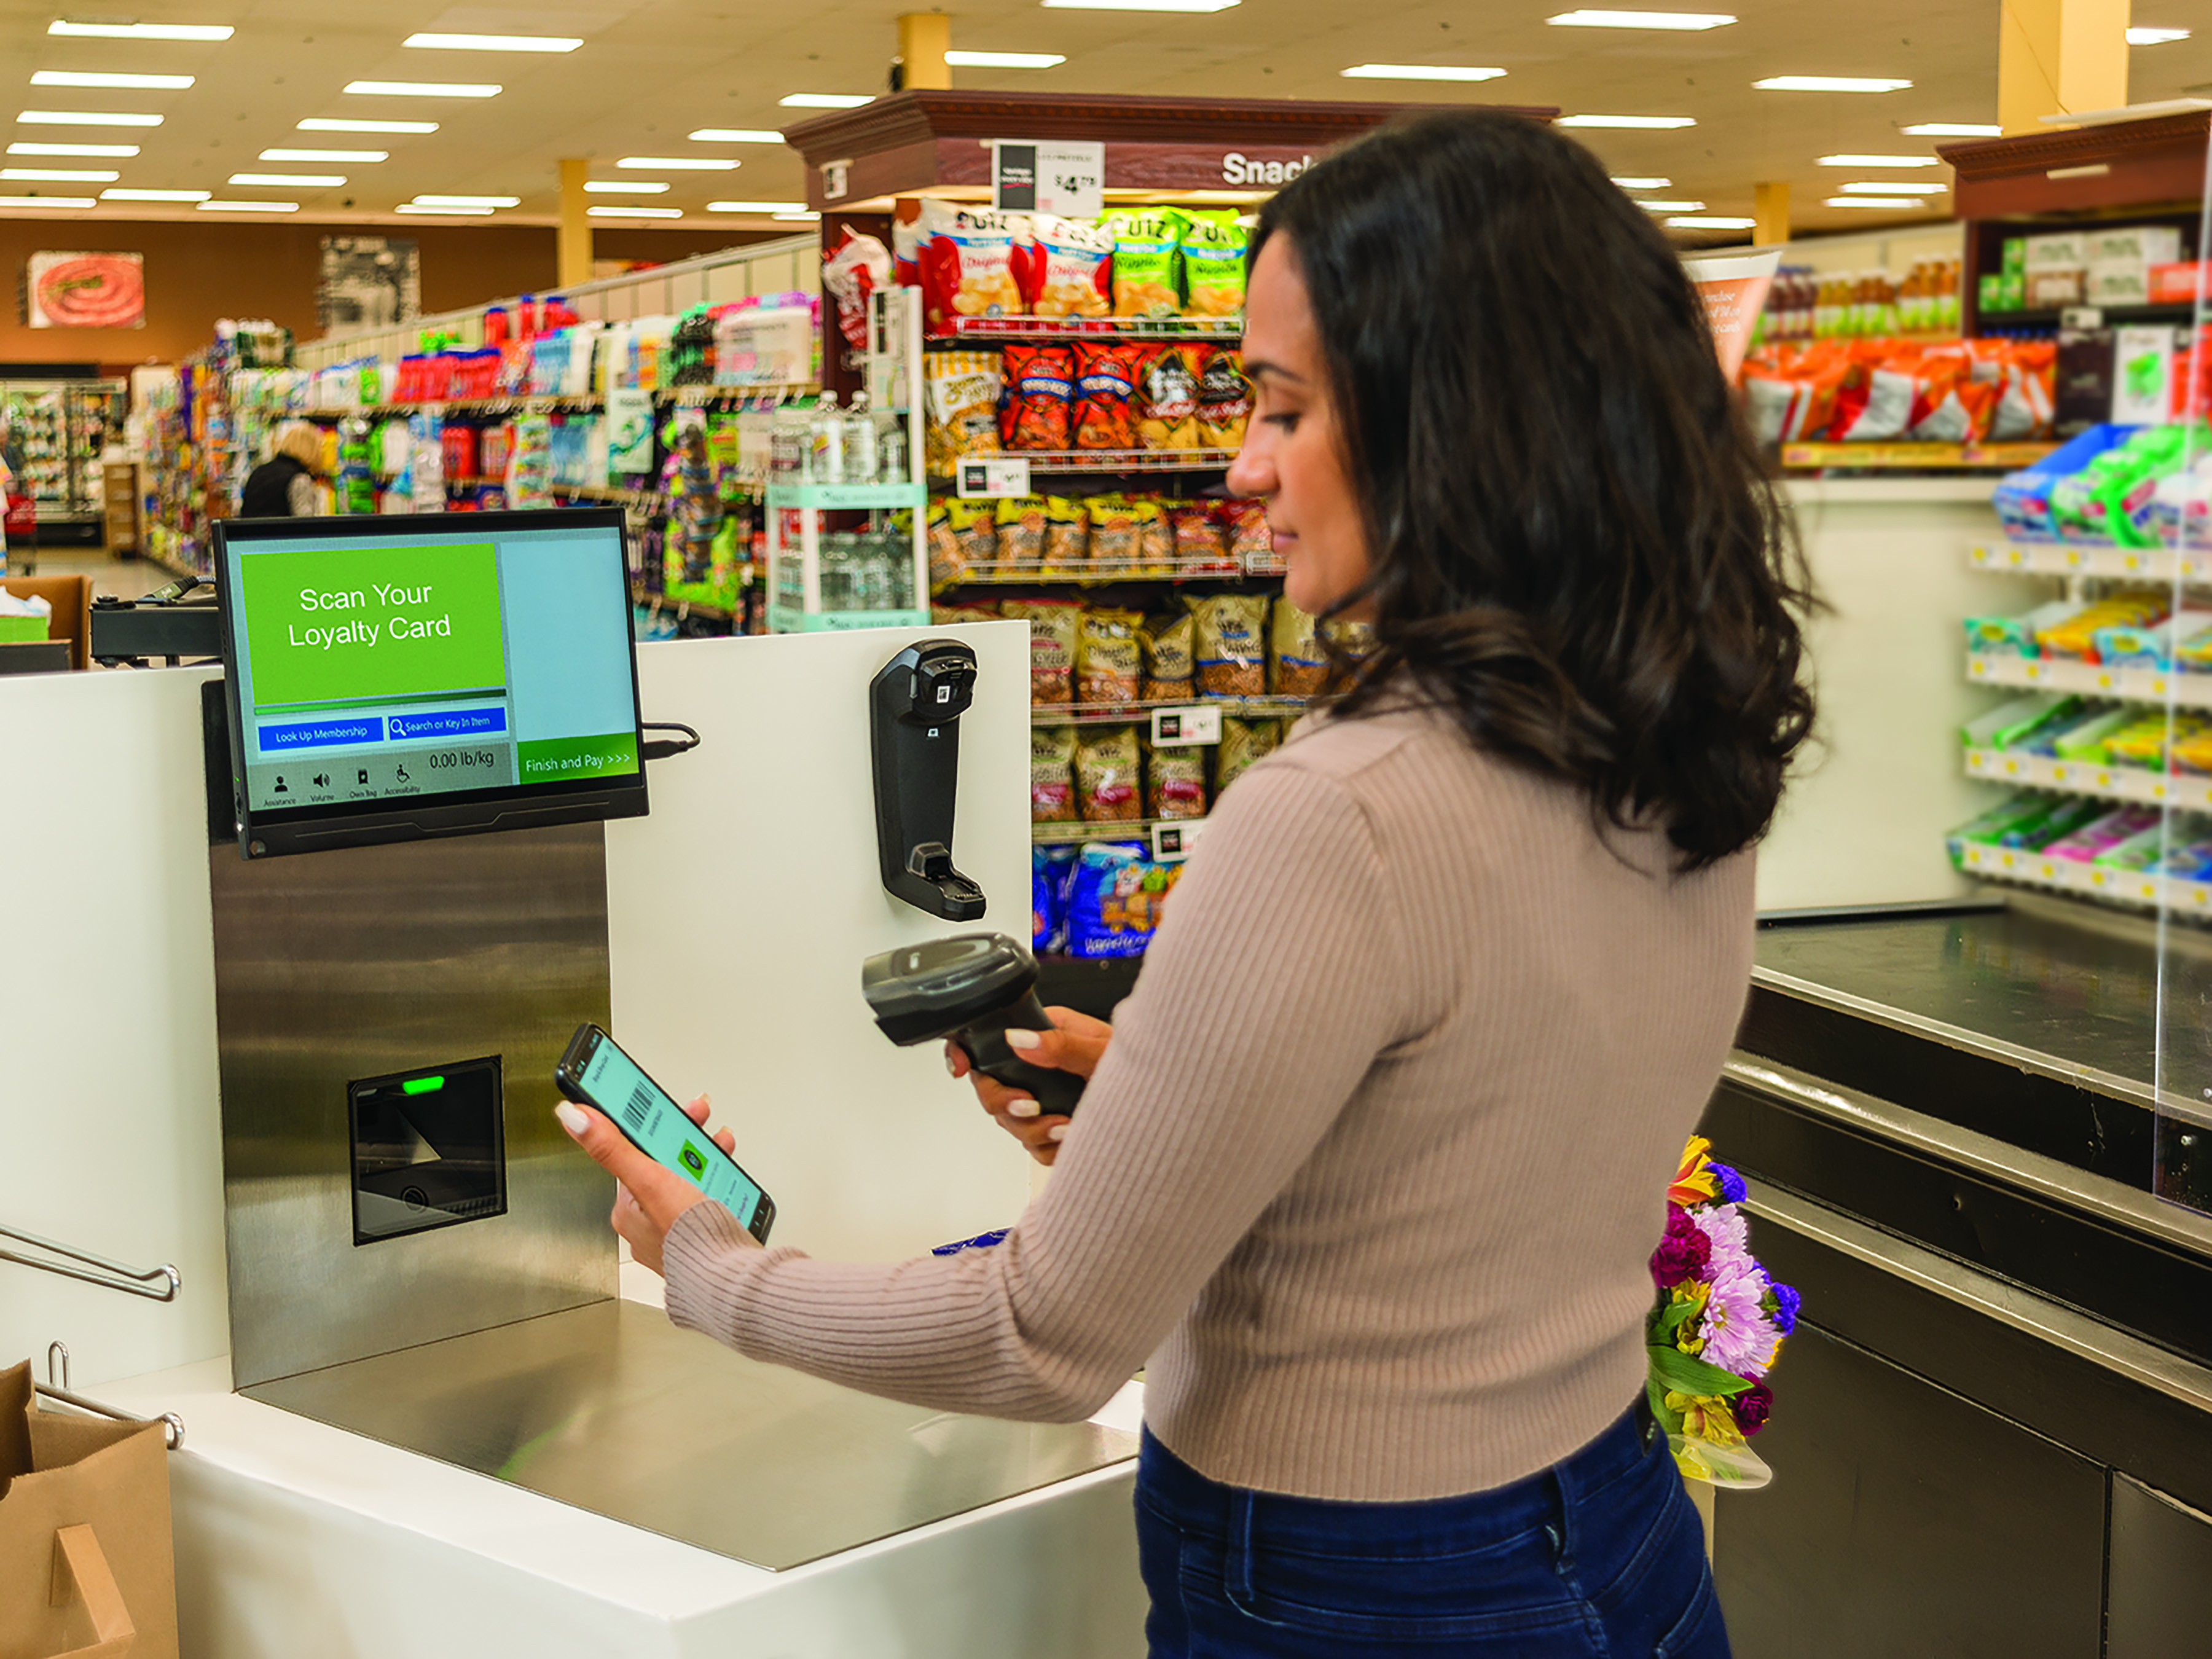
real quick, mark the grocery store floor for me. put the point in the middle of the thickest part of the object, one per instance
(125, 577)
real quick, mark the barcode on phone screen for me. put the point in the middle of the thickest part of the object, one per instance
(639, 1104)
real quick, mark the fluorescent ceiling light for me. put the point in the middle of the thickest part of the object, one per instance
(305, 180)
(679, 163)
(443, 212)
(249, 207)
(1417, 72)
(26, 147)
(62, 175)
(756, 207)
(619, 187)
(101, 78)
(1893, 187)
(424, 89)
(1828, 83)
(423, 200)
(144, 31)
(825, 99)
(634, 213)
(1653, 121)
(332, 124)
(46, 201)
(1711, 221)
(324, 154)
(1954, 130)
(154, 195)
(796, 218)
(1644, 183)
(1141, 5)
(1586, 19)
(2156, 37)
(1670, 207)
(1876, 202)
(1004, 59)
(85, 118)
(494, 42)
(736, 135)
(1881, 160)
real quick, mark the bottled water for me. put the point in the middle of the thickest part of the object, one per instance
(826, 443)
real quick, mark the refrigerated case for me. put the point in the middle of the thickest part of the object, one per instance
(61, 427)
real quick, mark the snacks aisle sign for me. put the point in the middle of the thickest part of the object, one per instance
(85, 290)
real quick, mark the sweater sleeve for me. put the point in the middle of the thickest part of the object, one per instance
(301, 496)
(1268, 991)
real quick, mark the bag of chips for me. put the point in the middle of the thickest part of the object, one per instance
(1105, 387)
(1116, 897)
(1066, 535)
(1070, 268)
(1040, 380)
(960, 393)
(1167, 397)
(1198, 540)
(1107, 766)
(975, 529)
(1164, 645)
(1108, 664)
(1021, 531)
(951, 616)
(1049, 869)
(1212, 263)
(1114, 535)
(1147, 248)
(1174, 782)
(1297, 666)
(1242, 743)
(1224, 400)
(1052, 774)
(1155, 537)
(1248, 536)
(1229, 656)
(948, 560)
(857, 268)
(966, 260)
(1052, 646)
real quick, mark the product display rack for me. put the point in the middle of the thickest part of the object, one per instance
(2147, 685)
(62, 426)
(2150, 564)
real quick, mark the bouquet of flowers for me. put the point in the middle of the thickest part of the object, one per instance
(1718, 1328)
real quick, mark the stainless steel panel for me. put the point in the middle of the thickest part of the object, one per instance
(366, 961)
(613, 1409)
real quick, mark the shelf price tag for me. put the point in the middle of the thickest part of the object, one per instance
(1174, 841)
(1181, 728)
(1059, 177)
(990, 477)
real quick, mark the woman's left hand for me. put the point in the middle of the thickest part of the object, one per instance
(648, 1197)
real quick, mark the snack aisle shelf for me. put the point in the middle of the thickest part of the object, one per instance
(2116, 783)
(2093, 679)
(1120, 713)
(2133, 888)
(2152, 564)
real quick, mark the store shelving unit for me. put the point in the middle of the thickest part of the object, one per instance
(2132, 888)
(2148, 564)
(2133, 784)
(2149, 685)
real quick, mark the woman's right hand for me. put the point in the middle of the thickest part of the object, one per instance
(1076, 1044)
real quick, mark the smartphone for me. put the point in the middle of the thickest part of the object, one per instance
(597, 1073)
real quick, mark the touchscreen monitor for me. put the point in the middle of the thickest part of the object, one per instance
(392, 678)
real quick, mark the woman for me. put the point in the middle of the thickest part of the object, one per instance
(283, 486)
(1371, 1161)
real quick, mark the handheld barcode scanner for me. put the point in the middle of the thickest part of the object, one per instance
(915, 705)
(969, 988)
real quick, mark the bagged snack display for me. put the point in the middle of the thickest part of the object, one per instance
(1052, 646)
(1174, 782)
(1248, 536)
(1148, 246)
(1297, 666)
(1224, 400)
(1049, 869)
(1068, 268)
(966, 261)
(951, 616)
(1113, 531)
(1105, 388)
(1021, 521)
(1214, 262)
(1040, 384)
(1115, 896)
(948, 560)
(1165, 646)
(1155, 549)
(960, 392)
(1066, 535)
(1052, 774)
(1198, 539)
(1167, 397)
(1108, 763)
(1229, 653)
(1108, 664)
(975, 529)
(1242, 742)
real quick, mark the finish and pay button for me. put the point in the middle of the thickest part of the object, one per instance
(559, 760)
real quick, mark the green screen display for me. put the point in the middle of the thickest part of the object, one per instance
(349, 624)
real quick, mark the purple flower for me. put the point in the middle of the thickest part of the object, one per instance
(1732, 1188)
(1752, 1407)
(1683, 1253)
(1786, 1304)
(1738, 1337)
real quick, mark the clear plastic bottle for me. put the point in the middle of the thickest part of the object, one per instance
(787, 444)
(898, 569)
(826, 443)
(862, 458)
(891, 450)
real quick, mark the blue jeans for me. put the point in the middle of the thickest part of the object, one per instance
(1598, 1557)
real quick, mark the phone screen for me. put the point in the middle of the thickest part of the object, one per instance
(614, 1083)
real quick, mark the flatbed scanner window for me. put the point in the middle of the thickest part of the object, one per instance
(429, 1148)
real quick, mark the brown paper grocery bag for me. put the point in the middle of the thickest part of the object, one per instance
(86, 1571)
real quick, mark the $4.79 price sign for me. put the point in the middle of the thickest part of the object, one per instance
(1062, 178)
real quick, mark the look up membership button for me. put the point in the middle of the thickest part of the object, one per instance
(320, 734)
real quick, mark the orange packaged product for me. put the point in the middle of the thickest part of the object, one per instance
(1040, 384)
(1105, 390)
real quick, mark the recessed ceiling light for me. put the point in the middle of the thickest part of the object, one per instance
(756, 207)
(736, 135)
(62, 175)
(49, 202)
(325, 155)
(101, 78)
(1954, 130)
(1893, 187)
(443, 212)
(679, 163)
(1139, 5)
(333, 123)
(825, 99)
(619, 187)
(1670, 207)
(1654, 121)
(305, 180)
(423, 88)
(1644, 183)
(27, 147)
(1828, 83)
(1876, 202)
(1417, 72)
(795, 218)
(423, 200)
(634, 213)
(144, 31)
(154, 195)
(1880, 160)
(1586, 19)
(2156, 37)
(494, 42)
(1711, 221)
(1004, 59)
(85, 118)
(249, 207)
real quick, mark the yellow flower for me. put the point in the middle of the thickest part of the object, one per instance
(1707, 1418)
(1688, 1335)
(1693, 1181)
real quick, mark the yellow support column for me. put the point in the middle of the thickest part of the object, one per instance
(2058, 57)
(923, 37)
(573, 260)
(1770, 212)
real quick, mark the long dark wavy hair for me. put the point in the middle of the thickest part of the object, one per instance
(1573, 543)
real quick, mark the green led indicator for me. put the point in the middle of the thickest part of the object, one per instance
(421, 1086)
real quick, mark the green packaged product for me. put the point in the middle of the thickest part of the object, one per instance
(1214, 262)
(2015, 258)
(1147, 254)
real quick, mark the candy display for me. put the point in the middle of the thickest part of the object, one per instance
(2125, 486)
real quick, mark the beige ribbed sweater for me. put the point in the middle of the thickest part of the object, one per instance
(1372, 1167)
